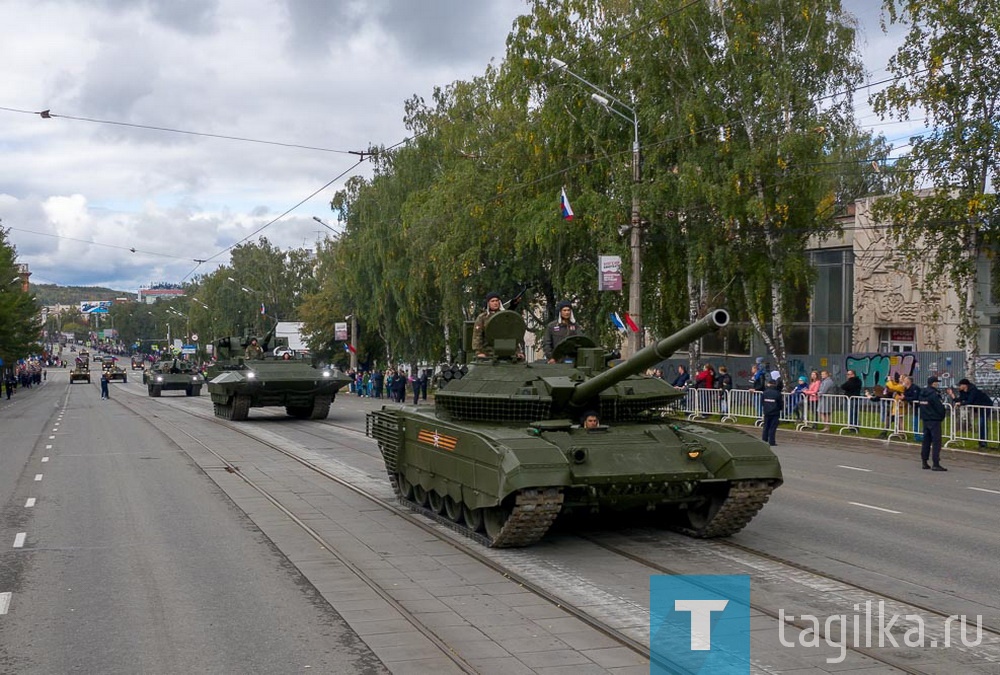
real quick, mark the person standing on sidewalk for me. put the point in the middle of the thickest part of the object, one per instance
(852, 390)
(932, 413)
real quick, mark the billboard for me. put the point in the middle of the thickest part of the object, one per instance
(95, 306)
(609, 273)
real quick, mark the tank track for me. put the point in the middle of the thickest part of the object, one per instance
(533, 514)
(746, 498)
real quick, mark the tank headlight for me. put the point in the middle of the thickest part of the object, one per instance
(694, 453)
(159, 378)
(251, 374)
(327, 373)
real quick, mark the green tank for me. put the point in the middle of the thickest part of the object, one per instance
(237, 383)
(501, 455)
(173, 375)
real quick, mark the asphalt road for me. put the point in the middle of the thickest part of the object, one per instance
(130, 559)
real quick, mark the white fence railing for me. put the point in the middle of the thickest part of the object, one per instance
(840, 414)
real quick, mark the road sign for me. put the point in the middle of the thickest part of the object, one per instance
(194, 337)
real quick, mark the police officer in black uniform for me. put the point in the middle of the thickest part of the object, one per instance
(932, 413)
(771, 405)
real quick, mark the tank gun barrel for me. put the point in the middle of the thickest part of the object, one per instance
(649, 356)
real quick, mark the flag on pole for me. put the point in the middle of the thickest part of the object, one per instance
(262, 310)
(617, 321)
(631, 323)
(567, 210)
(349, 348)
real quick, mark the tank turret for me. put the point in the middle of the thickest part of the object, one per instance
(502, 388)
(501, 454)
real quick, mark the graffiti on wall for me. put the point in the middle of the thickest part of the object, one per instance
(873, 369)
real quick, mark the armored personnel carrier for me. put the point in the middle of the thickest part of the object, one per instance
(501, 455)
(81, 368)
(237, 383)
(114, 371)
(173, 375)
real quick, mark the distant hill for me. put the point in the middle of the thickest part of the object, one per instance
(51, 294)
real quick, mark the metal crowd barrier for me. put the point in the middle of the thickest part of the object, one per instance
(836, 413)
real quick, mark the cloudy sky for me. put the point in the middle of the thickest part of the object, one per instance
(81, 189)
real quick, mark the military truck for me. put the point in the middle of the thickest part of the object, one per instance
(173, 375)
(81, 368)
(277, 377)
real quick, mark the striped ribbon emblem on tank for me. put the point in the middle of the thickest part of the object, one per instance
(437, 440)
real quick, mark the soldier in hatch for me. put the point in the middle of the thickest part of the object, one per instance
(253, 351)
(563, 327)
(493, 305)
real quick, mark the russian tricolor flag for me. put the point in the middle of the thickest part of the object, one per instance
(567, 210)
(349, 348)
(631, 323)
(617, 321)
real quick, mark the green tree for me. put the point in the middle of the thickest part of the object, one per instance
(20, 324)
(944, 211)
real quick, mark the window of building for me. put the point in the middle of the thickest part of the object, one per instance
(994, 329)
(831, 314)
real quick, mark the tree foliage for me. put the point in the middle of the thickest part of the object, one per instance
(746, 127)
(943, 210)
(20, 326)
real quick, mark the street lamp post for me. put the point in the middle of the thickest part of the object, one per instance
(636, 341)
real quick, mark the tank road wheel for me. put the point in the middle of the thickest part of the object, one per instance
(419, 494)
(452, 509)
(405, 487)
(435, 501)
(189, 391)
(241, 408)
(473, 518)
(494, 518)
(154, 391)
(196, 391)
(222, 410)
(321, 408)
(700, 515)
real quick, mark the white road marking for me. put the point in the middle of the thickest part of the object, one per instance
(4, 602)
(19, 539)
(45, 459)
(869, 506)
(38, 476)
(995, 492)
(48, 447)
(31, 502)
(852, 468)
(52, 438)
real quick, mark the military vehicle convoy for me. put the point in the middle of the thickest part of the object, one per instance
(81, 368)
(501, 455)
(237, 383)
(173, 375)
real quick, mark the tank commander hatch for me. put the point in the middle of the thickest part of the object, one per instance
(253, 351)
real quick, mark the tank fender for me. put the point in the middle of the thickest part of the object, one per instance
(731, 453)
